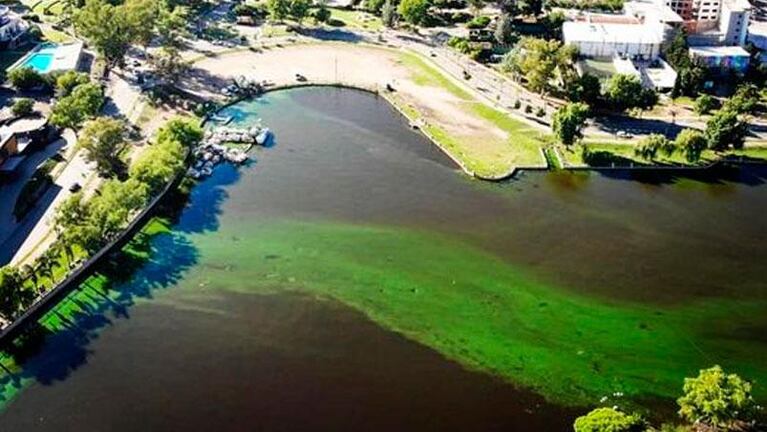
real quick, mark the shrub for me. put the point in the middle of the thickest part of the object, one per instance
(704, 104)
(528, 109)
(23, 107)
(608, 420)
(650, 145)
(716, 398)
(25, 78)
(479, 22)
(517, 104)
(540, 112)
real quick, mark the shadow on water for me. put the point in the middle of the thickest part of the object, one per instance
(745, 174)
(50, 349)
(202, 218)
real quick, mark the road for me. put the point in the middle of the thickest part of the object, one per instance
(34, 234)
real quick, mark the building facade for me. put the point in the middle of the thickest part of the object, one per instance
(733, 21)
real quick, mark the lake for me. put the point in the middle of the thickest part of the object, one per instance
(352, 278)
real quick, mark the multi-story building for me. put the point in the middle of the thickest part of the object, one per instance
(733, 21)
(698, 15)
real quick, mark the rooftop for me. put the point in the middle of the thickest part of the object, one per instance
(738, 5)
(659, 11)
(614, 33)
(719, 51)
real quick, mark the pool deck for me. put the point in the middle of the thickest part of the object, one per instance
(64, 57)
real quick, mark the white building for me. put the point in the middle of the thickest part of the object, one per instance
(12, 27)
(733, 21)
(607, 40)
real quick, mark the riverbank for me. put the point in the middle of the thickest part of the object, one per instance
(484, 141)
(487, 142)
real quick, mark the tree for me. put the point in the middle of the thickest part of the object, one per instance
(322, 14)
(107, 28)
(184, 131)
(569, 121)
(11, 295)
(389, 14)
(278, 9)
(23, 107)
(158, 164)
(724, 130)
(553, 22)
(168, 64)
(504, 30)
(142, 16)
(691, 143)
(102, 139)
(30, 273)
(72, 224)
(83, 103)
(67, 82)
(704, 104)
(537, 60)
(649, 146)
(109, 211)
(626, 92)
(690, 74)
(299, 10)
(744, 101)
(609, 420)
(25, 78)
(415, 12)
(587, 89)
(716, 398)
(171, 25)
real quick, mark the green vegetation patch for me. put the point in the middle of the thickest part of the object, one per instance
(485, 313)
(525, 141)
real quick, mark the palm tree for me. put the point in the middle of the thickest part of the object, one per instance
(29, 272)
(45, 266)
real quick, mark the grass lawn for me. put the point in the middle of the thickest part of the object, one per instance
(275, 30)
(524, 142)
(357, 19)
(52, 35)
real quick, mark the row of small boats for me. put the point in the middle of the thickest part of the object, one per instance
(213, 149)
(254, 135)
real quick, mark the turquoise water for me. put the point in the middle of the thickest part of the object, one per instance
(41, 60)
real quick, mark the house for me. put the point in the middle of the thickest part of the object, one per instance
(12, 28)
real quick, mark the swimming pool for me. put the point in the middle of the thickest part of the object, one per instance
(50, 57)
(40, 62)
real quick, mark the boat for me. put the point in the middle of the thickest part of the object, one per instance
(221, 119)
(263, 136)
